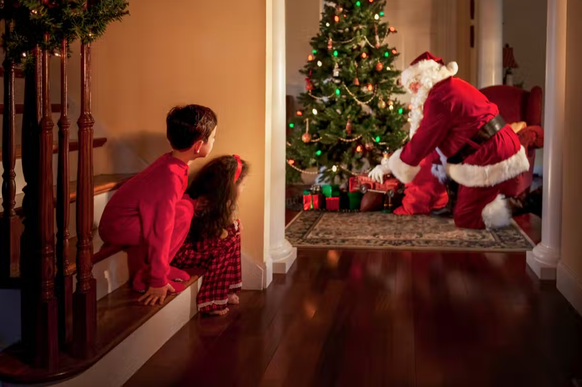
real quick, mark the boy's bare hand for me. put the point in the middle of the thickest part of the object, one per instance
(153, 295)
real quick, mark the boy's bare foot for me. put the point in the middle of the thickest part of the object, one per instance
(233, 299)
(219, 312)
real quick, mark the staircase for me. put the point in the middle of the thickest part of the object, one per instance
(80, 323)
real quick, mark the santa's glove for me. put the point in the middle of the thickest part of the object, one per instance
(379, 172)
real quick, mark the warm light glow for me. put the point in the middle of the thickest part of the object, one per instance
(319, 63)
(291, 161)
(327, 24)
(392, 29)
(299, 113)
(336, 18)
(310, 58)
(359, 149)
(410, 107)
(334, 168)
(364, 55)
(394, 51)
(370, 87)
(376, 16)
(314, 111)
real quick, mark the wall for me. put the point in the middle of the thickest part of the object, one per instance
(302, 23)
(186, 52)
(524, 28)
(572, 178)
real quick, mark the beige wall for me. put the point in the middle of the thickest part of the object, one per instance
(179, 52)
(524, 28)
(571, 206)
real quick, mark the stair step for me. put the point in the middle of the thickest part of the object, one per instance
(73, 146)
(101, 184)
(18, 73)
(55, 107)
(118, 316)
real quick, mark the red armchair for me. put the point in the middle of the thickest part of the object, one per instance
(516, 105)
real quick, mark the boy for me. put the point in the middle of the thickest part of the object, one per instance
(150, 215)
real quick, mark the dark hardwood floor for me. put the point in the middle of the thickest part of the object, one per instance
(374, 318)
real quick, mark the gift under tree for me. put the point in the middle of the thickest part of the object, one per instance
(349, 115)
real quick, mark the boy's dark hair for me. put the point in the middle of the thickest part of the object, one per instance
(188, 124)
(216, 189)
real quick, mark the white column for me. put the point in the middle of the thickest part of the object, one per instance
(490, 43)
(281, 253)
(543, 260)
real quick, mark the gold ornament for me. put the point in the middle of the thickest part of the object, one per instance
(381, 104)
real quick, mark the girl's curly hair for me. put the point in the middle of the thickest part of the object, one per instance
(216, 190)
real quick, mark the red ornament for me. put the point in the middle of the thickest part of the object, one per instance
(308, 84)
(306, 137)
(299, 113)
(336, 18)
(364, 55)
(379, 66)
(349, 127)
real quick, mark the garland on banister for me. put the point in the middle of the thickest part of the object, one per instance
(84, 20)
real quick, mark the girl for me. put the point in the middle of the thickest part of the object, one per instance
(213, 243)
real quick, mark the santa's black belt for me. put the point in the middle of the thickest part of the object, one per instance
(485, 133)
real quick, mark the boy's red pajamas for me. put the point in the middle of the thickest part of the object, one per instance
(150, 215)
(221, 259)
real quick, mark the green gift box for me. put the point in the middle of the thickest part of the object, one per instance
(355, 200)
(330, 191)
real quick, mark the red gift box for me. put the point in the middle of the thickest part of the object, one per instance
(357, 181)
(313, 202)
(332, 204)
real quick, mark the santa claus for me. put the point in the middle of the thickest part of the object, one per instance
(478, 152)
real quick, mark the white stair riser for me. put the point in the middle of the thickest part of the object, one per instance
(98, 153)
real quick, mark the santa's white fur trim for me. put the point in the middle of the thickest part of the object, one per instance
(439, 172)
(497, 214)
(489, 175)
(403, 172)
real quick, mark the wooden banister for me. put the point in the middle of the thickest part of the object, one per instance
(64, 273)
(10, 245)
(48, 345)
(85, 298)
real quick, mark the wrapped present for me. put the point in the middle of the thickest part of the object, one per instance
(312, 201)
(355, 200)
(330, 191)
(332, 204)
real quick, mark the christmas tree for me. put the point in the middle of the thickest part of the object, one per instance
(349, 115)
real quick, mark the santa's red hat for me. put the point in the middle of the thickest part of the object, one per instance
(427, 69)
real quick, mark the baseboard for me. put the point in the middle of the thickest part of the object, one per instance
(253, 275)
(128, 357)
(570, 286)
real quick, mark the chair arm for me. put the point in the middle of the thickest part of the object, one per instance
(532, 136)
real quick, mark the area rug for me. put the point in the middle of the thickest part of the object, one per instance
(375, 230)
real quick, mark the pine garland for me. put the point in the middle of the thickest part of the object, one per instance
(62, 19)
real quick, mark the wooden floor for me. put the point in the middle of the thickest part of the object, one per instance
(383, 319)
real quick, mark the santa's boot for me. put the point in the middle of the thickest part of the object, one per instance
(447, 211)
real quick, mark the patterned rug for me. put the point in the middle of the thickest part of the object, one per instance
(375, 230)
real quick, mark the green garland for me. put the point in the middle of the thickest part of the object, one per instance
(61, 19)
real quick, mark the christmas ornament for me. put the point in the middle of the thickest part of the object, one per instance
(369, 146)
(308, 84)
(381, 104)
(379, 66)
(336, 70)
(349, 127)
(329, 44)
(339, 8)
(390, 102)
(306, 137)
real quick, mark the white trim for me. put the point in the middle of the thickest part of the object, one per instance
(497, 214)
(489, 175)
(570, 286)
(235, 286)
(219, 302)
(402, 171)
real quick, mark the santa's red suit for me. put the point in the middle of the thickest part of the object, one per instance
(452, 121)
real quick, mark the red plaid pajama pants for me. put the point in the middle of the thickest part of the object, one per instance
(221, 259)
